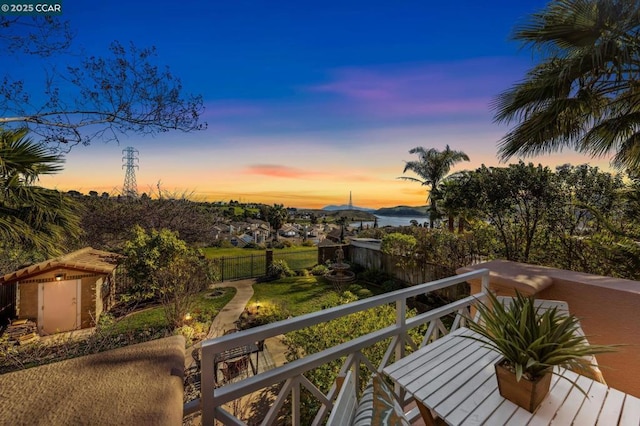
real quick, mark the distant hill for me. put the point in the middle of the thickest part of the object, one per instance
(402, 211)
(333, 207)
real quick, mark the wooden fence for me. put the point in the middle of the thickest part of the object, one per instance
(404, 269)
(8, 293)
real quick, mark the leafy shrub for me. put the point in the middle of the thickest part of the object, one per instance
(363, 293)
(266, 314)
(276, 245)
(348, 297)
(307, 243)
(391, 285)
(287, 243)
(193, 332)
(221, 243)
(325, 335)
(374, 276)
(303, 273)
(319, 270)
(354, 288)
(279, 269)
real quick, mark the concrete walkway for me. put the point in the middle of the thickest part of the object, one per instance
(271, 357)
(225, 320)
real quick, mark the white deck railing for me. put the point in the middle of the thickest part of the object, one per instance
(292, 374)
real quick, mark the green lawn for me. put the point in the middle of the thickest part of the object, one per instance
(215, 252)
(295, 295)
(153, 318)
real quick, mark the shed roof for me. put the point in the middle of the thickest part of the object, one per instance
(86, 259)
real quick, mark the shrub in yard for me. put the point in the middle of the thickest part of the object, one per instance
(276, 245)
(319, 270)
(325, 335)
(363, 293)
(279, 269)
(266, 314)
(303, 273)
(193, 332)
(222, 243)
(308, 243)
(374, 276)
(354, 288)
(348, 297)
(391, 285)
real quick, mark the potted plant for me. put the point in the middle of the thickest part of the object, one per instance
(532, 342)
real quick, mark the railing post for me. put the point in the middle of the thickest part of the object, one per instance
(401, 317)
(485, 283)
(295, 404)
(207, 386)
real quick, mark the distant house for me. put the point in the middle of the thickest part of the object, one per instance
(289, 231)
(65, 293)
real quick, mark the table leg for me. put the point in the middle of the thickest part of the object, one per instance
(253, 367)
(428, 418)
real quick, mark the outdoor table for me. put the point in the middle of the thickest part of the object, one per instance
(237, 352)
(455, 378)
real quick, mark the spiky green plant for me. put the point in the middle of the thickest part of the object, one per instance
(533, 340)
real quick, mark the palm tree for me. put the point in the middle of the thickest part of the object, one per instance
(432, 168)
(457, 198)
(30, 215)
(584, 93)
(276, 216)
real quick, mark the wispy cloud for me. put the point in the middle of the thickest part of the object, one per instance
(275, 170)
(420, 90)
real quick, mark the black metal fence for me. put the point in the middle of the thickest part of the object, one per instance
(7, 302)
(255, 265)
(239, 267)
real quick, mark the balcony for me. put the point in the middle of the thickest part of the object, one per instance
(142, 383)
(606, 306)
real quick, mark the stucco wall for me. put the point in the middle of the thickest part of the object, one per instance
(608, 316)
(607, 308)
(90, 301)
(134, 385)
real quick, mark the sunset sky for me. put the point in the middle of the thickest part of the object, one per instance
(307, 101)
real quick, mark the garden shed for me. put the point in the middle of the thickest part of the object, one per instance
(65, 293)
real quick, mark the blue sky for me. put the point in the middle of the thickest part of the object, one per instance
(306, 101)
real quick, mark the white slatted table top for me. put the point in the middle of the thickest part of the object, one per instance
(455, 377)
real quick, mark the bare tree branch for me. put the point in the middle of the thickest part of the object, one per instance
(95, 98)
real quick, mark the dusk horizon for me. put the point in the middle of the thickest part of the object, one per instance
(305, 105)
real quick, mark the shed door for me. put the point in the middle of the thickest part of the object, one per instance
(59, 306)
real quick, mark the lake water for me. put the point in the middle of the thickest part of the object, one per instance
(393, 221)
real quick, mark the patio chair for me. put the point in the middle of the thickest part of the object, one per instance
(235, 367)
